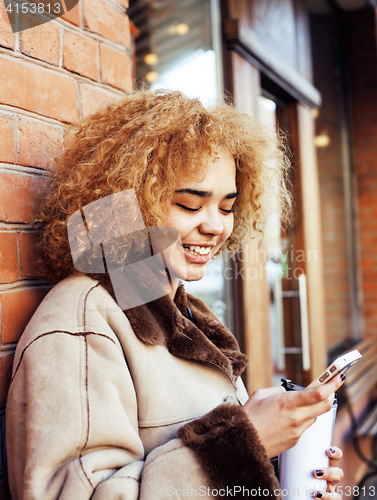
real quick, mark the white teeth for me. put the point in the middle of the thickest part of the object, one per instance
(198, 250)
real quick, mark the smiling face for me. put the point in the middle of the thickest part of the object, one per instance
(202, 212)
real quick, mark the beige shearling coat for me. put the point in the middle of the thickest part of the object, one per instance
(109, 406)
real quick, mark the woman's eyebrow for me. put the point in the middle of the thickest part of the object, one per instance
(205, 194)
(202, 194)
(231, 195)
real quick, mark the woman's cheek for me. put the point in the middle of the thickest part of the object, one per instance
(229, 226)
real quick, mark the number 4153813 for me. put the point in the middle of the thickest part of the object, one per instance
(34, 8)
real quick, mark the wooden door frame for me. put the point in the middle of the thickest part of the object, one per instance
(253, 310)
(308, 231)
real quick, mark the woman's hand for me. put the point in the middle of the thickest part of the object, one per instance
(330, 474)
(281, 417)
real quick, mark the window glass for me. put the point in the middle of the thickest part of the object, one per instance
(175, 46)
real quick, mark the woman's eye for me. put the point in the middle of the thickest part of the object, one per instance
(187, 208)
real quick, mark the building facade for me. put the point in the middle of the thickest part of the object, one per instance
(310, 66)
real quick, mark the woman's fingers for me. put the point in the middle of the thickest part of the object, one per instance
(330, 474)
(265, 407)
(321, 393)
(330, 495)
(315, 401)
(295, 410)
(334, 454)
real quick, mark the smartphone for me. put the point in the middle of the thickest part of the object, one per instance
(340, 365)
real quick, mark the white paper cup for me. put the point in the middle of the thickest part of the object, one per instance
(297, 464)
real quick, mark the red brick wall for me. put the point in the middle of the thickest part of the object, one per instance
(362, 49)
(50, 76)
(325, 48)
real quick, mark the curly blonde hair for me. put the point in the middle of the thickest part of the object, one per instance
(147, 141)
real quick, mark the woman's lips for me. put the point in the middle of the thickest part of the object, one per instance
(196, 258)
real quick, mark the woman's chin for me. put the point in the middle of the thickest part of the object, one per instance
(196, 272)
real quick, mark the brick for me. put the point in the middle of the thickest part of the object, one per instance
(73, 15)
(19, 196)
(41, 42)
(80, 54)
(8, 257)
(17, 308)
(93, 97)
(109, 22)
(28, 250)
(7, 38)
(7, 139)
(6, 363)
(115, 67)
(47, 92)
(38, 142)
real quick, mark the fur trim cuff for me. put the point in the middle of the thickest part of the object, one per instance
(230, 451)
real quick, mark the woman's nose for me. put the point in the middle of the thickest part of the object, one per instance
(211, 224)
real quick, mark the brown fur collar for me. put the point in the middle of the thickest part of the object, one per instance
(166, 322)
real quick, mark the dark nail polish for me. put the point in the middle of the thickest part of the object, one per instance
(318, 495)
(332, 451)
(343, 377)
(319, 473)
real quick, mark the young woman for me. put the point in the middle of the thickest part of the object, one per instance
(124, 386)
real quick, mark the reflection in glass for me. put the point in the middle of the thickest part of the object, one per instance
(175, 49)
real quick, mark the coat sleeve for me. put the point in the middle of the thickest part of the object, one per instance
(72, 430)
(229, 449)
